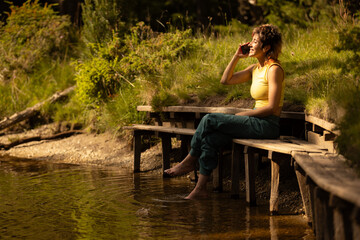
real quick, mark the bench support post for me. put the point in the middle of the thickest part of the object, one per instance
(235, 169)
(250, 175)
(166, 149)
(305, 192)
(137, 150)
(274, 194)
(323, 215)
(356, 222)
(218, 173)
(343, 224)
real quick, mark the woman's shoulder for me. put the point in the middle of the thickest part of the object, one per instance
(275, 70)
(275, 66)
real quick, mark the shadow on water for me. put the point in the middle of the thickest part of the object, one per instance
(42, 200)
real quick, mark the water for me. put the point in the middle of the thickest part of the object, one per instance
(42, 200)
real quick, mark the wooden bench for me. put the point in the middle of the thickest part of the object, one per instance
(165, 133)
(319, 138)
(331, 194)
(274, 149)
(291, 123)
(181, 121)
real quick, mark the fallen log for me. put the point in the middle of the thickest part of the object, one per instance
(40, 138)
(29, 112)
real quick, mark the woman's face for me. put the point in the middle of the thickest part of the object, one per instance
(255, 47)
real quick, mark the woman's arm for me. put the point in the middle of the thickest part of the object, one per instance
(229, 77)
(275, 79)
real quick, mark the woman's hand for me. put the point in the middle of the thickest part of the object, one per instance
(243, 50)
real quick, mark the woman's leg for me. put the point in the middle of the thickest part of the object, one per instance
(200, 190)
(219, 133)
(189, 162)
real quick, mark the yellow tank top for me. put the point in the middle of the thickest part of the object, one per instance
(260, 87)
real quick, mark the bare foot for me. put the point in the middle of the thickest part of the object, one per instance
(187, 165)
(197, 193)
(200, 190)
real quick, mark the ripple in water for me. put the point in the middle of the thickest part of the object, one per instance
(42, 200)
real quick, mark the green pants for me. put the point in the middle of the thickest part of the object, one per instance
(217, 130)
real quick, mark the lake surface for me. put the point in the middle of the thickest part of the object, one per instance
(43, 200)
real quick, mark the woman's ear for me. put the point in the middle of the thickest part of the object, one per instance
(266, 48)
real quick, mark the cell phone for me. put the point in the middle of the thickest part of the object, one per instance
(245, 49)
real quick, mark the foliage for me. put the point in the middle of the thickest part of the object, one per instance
(32, 33)
(121, 110)
(97, 78)
(101, 18)
(36, 45)
(302, 13)
(348, 94)
(141, 53)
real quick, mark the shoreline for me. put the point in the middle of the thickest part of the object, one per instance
(102, 149)
(108, 150)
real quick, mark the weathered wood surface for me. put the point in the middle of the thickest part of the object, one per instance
(27, 113)
(305, 192)
(172, 130)
(322, 123)
(227, 110)
(250, 175)
(285, 146)
(330, 173)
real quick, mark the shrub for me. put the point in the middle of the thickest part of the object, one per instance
(101, 18)
(31, 34)
(348, 95)
(142, 54)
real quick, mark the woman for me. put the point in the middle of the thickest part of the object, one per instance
(218, 130)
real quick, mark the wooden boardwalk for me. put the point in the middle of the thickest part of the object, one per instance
(329, 188)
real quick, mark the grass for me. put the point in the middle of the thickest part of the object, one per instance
(314, 77)
(311, 64)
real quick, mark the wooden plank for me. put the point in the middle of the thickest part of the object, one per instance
(321, 141)
(227, 110)
(280, 145)
(331, 174)
(322, 123)
(173, 130)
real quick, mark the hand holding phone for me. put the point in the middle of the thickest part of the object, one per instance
(245, 49)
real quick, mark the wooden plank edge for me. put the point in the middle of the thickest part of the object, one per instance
(322, 123)
(333, 187)
(226, 110)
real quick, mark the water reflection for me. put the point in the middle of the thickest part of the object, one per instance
(41, 200)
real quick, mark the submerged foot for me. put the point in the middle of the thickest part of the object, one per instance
(197, 194)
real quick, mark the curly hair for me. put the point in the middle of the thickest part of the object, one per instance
(270, 35)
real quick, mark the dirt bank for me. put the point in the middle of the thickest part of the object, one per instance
(94, 149)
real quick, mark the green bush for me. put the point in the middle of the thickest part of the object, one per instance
(348, 94)
(302, 13)
(31, 34)
(101, 18)
(141, 55)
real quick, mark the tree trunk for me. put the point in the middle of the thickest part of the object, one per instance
(27, 113)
